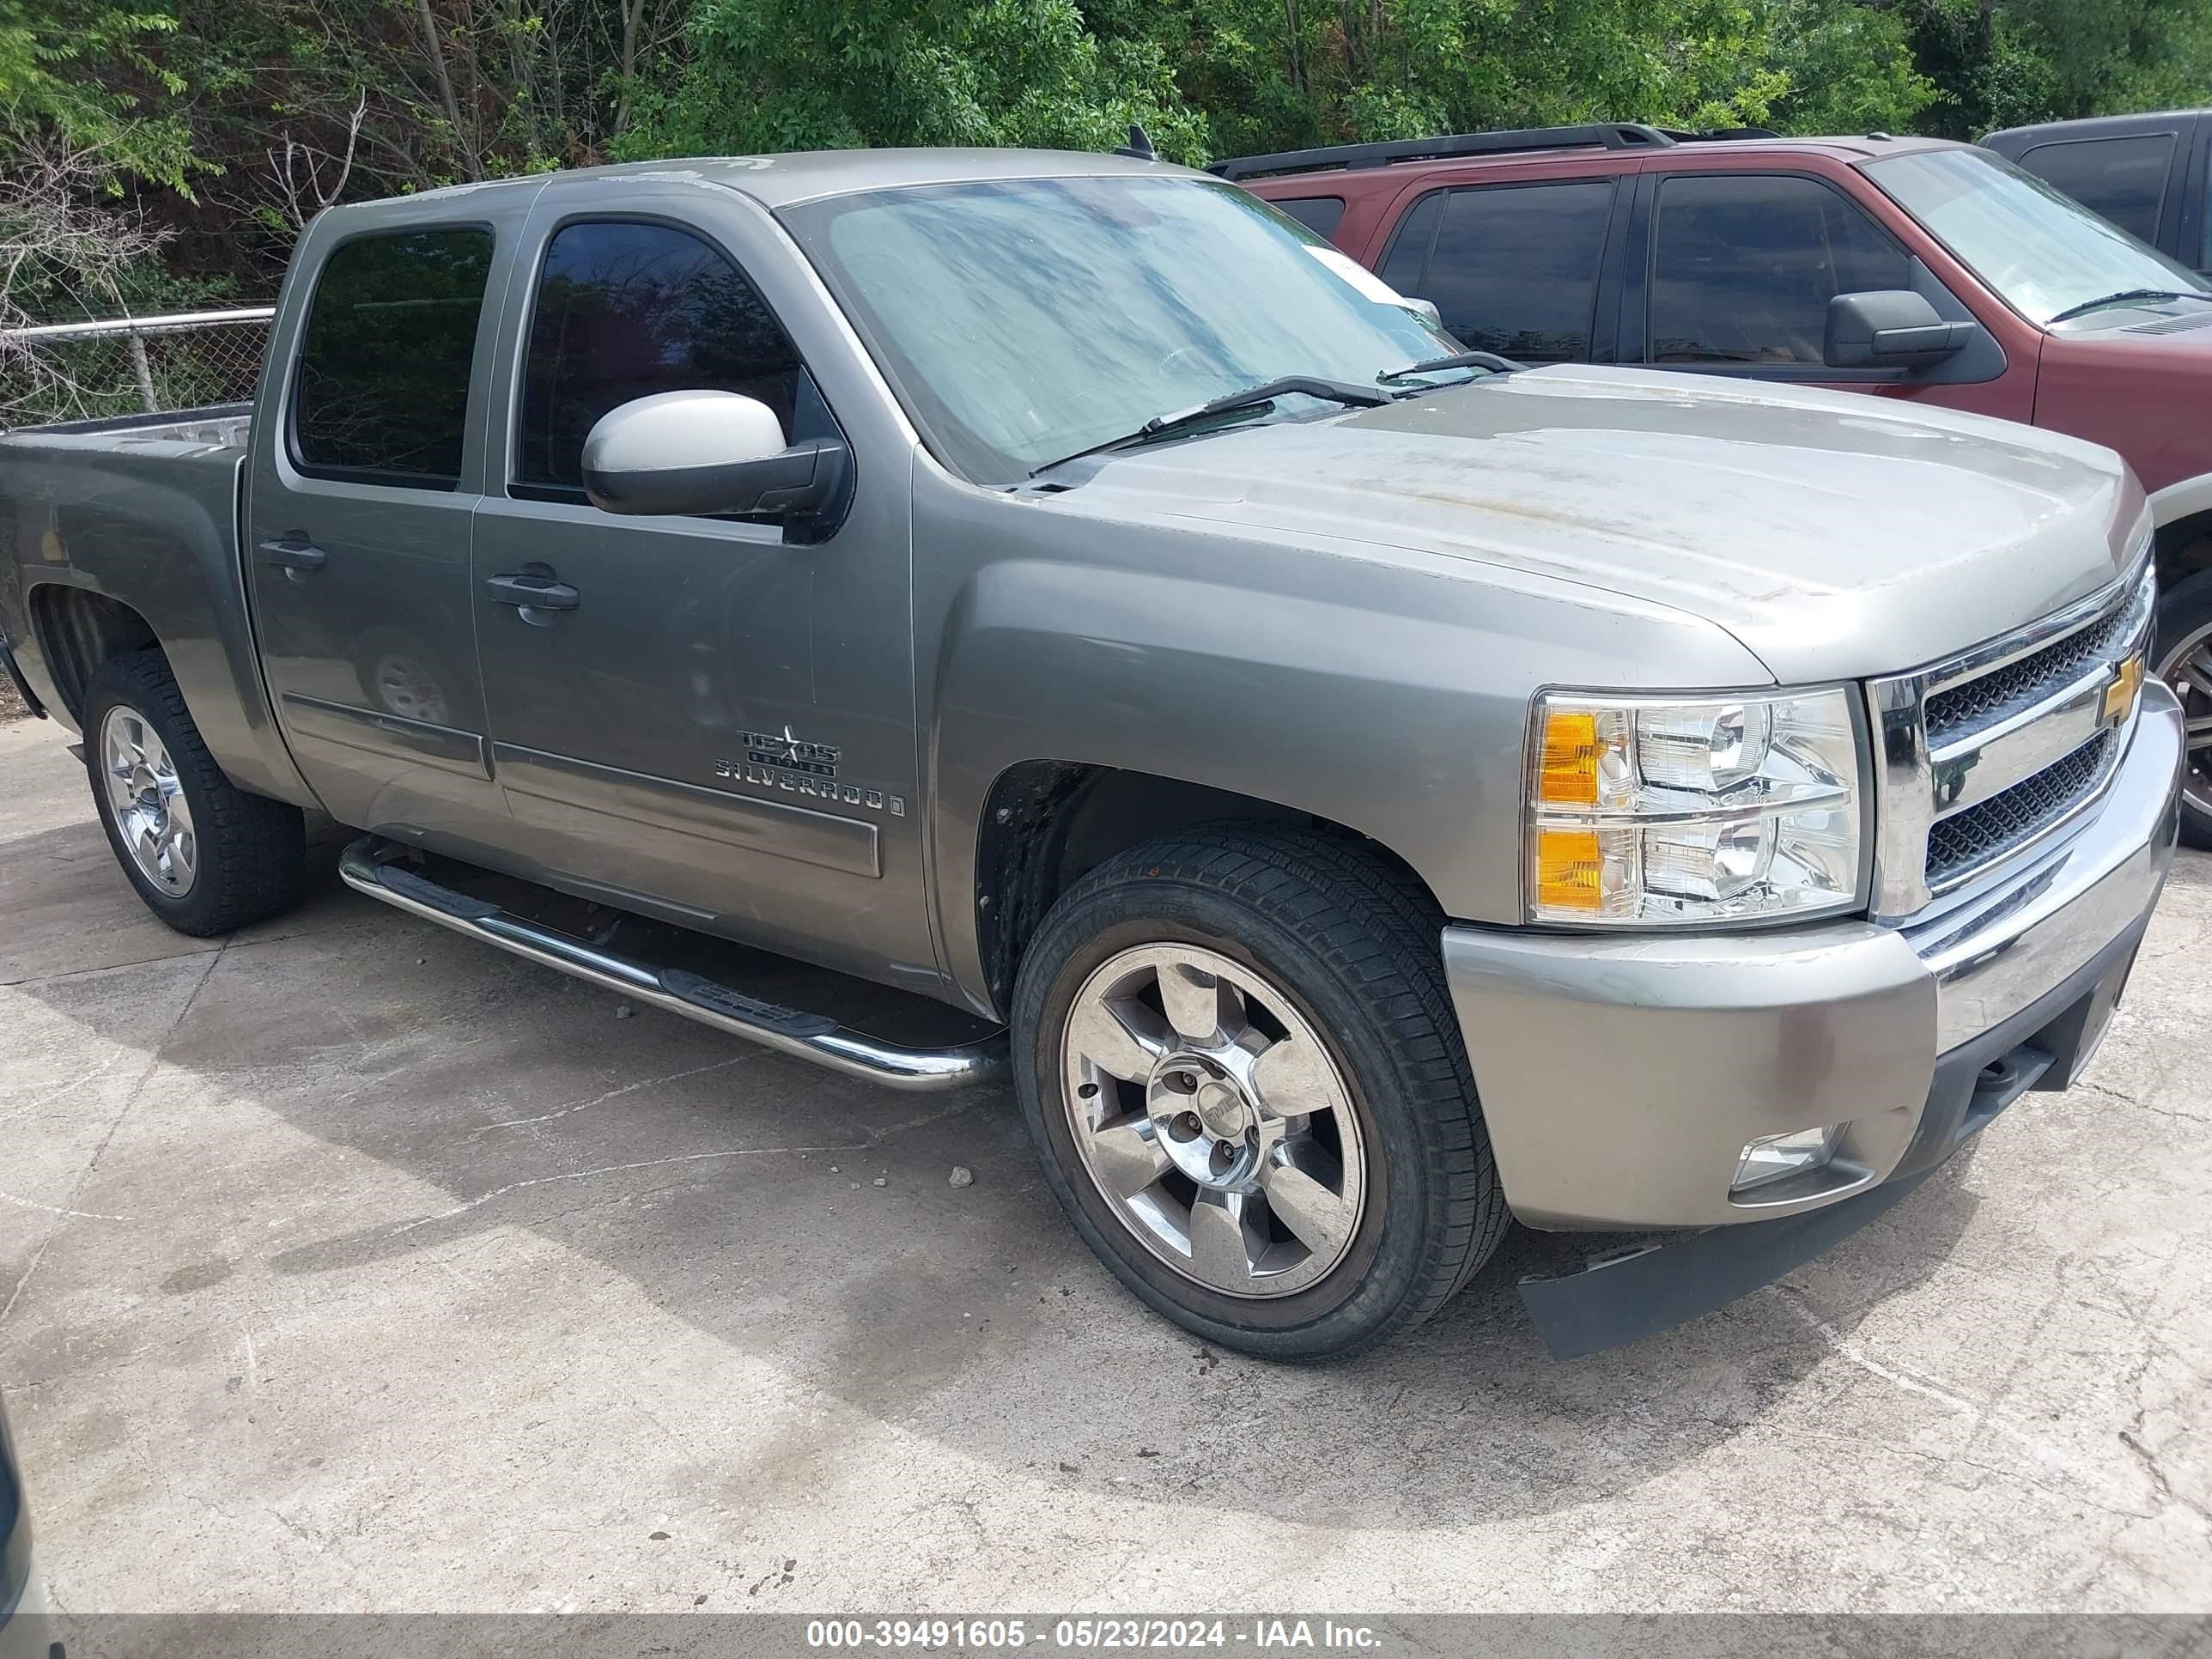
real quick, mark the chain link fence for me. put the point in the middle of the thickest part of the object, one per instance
(131, 366)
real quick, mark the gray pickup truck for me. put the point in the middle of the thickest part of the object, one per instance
(1381, 791)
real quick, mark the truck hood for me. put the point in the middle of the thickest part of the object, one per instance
(1836, 534)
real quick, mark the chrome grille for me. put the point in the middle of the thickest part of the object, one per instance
(1981, 703)
(1996, 752)
(1984, 834)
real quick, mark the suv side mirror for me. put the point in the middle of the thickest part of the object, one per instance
(1889, 328)
(702, 451)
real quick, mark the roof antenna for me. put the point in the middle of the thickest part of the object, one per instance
(1140, 147)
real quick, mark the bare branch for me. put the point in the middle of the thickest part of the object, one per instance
(297, 167)
(58, 241)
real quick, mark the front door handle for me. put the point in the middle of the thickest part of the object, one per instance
(533, 593)
(294, 554)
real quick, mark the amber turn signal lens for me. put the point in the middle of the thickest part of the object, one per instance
(1569, 775)
(1569, 870)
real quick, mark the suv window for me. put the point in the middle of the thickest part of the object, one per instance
(1514, 268)
(1743, 267)
(383, 388)
(627, 309)
(1405, 266)
(1318, 213)
(2123, 178)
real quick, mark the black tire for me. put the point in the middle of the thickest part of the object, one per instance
(2184, 628)
(250, 856)
(1354, 947)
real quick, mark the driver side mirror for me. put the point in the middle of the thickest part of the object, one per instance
(1889, 328)
(701, 452)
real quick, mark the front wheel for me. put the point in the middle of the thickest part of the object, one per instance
(1239, 1066)
(206, 857)
(2184, 656)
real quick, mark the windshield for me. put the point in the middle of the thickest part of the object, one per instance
(1023, 320)
(2043, 251)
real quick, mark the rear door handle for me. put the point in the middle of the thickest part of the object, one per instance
(294, 553)
(534, 593)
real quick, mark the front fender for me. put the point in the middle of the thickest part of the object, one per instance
(2183, 499)
(1326, 677)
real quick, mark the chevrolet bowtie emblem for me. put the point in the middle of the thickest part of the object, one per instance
(2120, 694)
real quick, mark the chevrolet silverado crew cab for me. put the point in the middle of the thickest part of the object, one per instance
(1910, 268)
(1378, 793)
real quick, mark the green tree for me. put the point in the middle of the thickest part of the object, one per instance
(776, 74)
(2005, 63)
(80, 75)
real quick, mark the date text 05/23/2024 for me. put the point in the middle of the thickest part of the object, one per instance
(1259, 1635)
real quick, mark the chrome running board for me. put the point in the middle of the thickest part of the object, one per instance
(815, 1037)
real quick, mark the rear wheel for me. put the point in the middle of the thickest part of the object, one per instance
(206, 857)
(2184, 655)
(1238, 1063)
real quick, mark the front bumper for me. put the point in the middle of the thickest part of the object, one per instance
(1621, 1078)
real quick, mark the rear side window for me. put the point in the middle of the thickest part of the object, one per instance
(383, 390)
(2123, 178)
(1405, 266)
(626, 310)
(1743, 267)
(1515, 267)
(1318, 213)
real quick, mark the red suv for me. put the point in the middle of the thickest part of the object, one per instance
(1906, 267)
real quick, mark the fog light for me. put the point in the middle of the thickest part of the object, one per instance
(1772, 1157)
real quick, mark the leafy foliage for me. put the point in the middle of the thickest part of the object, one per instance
(235, 124)
(70, 74)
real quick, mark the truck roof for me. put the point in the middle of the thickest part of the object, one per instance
(803, 176)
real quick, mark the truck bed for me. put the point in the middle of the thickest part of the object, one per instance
(221, 424)
(142, 510)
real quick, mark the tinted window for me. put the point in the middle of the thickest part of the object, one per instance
(1318, 213)
(2123, 178)
(627, 310)
(1515, 268)
(1405, 266)
(384, 364)
(1743, 268)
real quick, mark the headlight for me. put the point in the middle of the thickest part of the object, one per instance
(1648, 812)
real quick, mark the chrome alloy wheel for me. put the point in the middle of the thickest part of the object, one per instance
(151, 813)
(2188, 669)
(1211, 1119)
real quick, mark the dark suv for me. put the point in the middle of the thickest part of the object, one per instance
(2149, 174)
(1911, 268)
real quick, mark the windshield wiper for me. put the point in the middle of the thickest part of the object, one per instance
(1337, 391)
(1489, 360)
(2126, 295)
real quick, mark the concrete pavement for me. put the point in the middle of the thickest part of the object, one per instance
(349, 1264)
